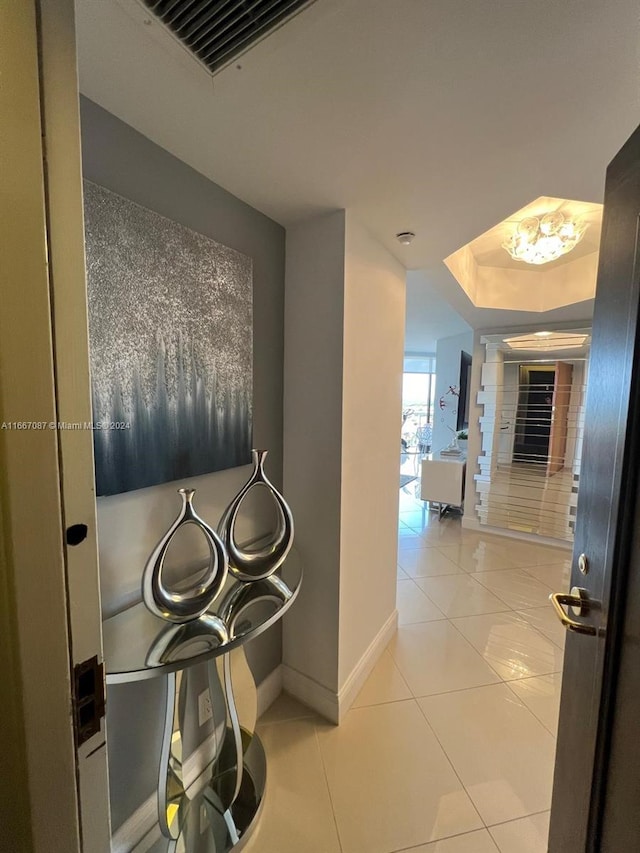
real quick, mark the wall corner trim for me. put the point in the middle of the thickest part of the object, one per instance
(311, 693)
(334, 706)
(269, 689)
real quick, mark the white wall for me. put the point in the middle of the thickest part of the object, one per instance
(344, 336)
(474, 446)
(429, 316)
(576, 416)
(448, 352)
(509, 413)
(371, 416)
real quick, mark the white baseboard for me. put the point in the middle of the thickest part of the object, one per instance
(334, 706)
(311, 693)
(269, 689)
(362, 669)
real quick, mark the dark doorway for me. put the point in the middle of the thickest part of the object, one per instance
(535, 409)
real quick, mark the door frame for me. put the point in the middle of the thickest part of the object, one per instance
(561, 405)
(583, 813)
(614, 823)
(57, 801)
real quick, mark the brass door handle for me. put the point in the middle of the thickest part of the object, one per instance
(578, 600)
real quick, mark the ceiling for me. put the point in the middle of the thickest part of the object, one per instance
(488, 249)
(436, 116)
(491, 278)
(429, 316)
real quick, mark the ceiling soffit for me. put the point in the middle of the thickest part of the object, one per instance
(492, 279)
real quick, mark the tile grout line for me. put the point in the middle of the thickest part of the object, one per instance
(515, 819)
(326, 782)
(517, 615)
(441, 745)
(445, 693)
(451, 764)
(449, 838)
(542, 723)
(509, 608)
(470, 644)
(430, 600)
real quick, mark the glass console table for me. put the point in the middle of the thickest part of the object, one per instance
(212, 767)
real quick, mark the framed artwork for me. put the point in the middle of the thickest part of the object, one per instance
(171, 347)
(465, 392)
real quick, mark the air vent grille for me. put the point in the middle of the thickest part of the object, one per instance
(217, 31)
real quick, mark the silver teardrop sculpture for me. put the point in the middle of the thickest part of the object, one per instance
(257, 564)
(190, 603)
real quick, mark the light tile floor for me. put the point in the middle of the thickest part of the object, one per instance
(450, 745)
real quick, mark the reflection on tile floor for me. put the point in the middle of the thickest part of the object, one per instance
(449, 747)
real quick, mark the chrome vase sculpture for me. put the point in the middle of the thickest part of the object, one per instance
(192, 602)
(253, 564)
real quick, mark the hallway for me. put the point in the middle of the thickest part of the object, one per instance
(449, 748)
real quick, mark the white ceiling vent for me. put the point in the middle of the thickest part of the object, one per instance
(218, 31)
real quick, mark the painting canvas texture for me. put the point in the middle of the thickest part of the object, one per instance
(171, 347)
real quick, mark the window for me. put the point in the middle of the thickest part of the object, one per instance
(418, 398)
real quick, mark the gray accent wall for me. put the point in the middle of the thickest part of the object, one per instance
(119, 158)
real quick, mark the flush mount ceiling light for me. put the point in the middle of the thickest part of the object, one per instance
(540, 241)
(494, 278)
(547, 341)
(405, 237)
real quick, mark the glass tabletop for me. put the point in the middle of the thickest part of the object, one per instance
(139, 645)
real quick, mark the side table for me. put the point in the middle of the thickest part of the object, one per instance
(442, 480)
(212, 768)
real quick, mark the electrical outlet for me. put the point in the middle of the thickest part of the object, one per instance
(204, 707)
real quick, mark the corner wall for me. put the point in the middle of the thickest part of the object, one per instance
(372, 414)
(344, 336)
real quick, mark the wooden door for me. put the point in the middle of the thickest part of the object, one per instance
(560, 417)
(54, 786)
(605, 524)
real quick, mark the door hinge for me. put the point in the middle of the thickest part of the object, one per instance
(88, 699)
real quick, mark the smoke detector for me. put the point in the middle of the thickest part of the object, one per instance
(405, 237)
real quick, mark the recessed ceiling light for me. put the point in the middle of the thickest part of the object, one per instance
(547, 341)
(405, 237)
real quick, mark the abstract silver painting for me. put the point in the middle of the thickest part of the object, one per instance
(171, 347)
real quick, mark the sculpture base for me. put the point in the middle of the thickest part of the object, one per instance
(205, 829)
